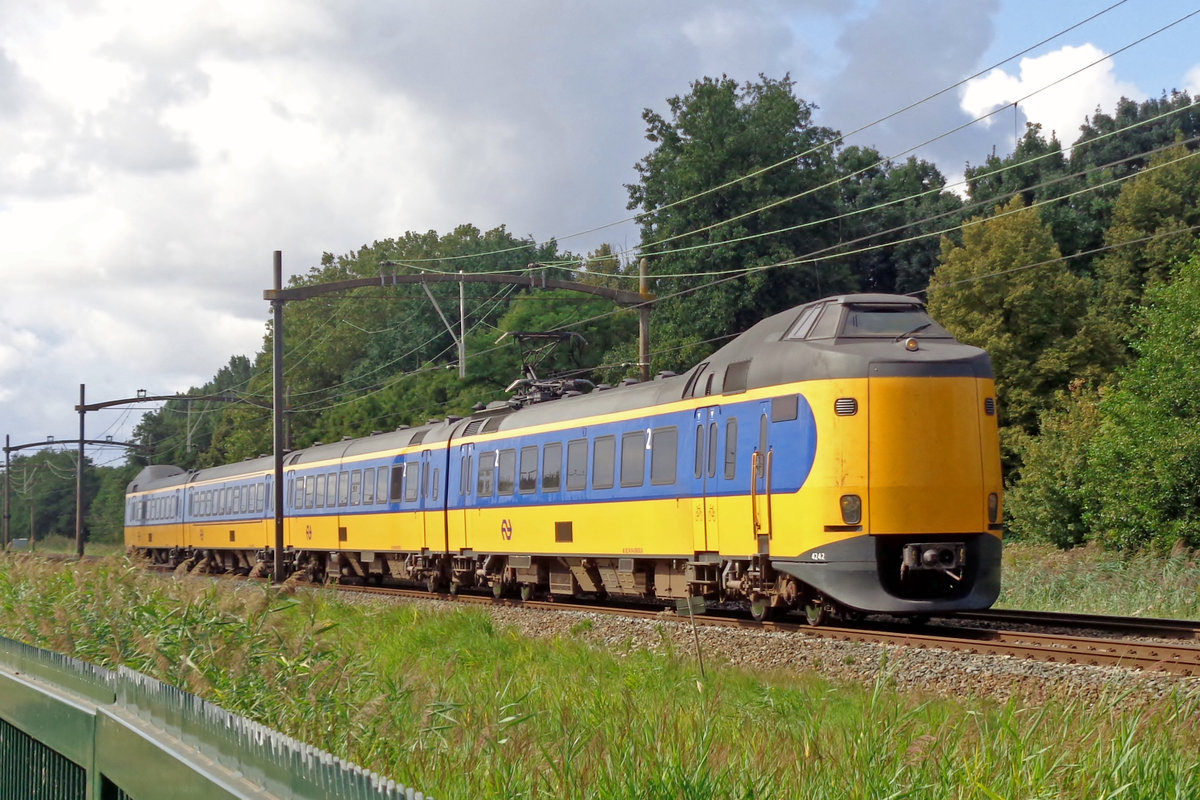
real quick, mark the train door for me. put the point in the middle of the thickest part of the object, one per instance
(705, 520)
(430, 502)
(462, 486)
(761, 463)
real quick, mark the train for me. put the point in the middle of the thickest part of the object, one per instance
(839, 459)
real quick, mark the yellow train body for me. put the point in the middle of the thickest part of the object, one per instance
(799, 466)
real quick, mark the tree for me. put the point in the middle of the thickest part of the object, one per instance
(1163, 198)
(713, 202)
(883, 202)
(1002, 290)
(1144, 462)
(343, 352)
(44, 484)
(106, 513)
(1049, 502)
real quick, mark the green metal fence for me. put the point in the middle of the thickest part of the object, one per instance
(73, 731)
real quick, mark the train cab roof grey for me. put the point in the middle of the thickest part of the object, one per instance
(157, 475)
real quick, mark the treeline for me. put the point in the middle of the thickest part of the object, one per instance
(1077, 269)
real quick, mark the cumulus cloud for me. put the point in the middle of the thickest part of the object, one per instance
(1060, 107)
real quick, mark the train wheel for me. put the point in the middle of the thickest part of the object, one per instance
(497, 589)
(816, 613)
(526, 591)
(760, 608)
(431, 583)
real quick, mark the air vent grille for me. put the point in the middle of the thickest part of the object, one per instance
(846, 406)
(989, 406)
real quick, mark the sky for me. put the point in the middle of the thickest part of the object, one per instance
(154, 155)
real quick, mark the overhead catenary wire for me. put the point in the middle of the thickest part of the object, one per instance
(748, 271)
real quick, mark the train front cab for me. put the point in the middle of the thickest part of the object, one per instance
(902, 511)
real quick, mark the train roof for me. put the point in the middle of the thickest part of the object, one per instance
(771, 352)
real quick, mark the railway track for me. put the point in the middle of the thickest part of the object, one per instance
(1134, 626)
(1156, 656)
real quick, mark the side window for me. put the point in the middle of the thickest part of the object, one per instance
(412, 481)
(320, 491)
(298, 494)
(437, 483)
(713, 432)
(310, 490)
(397, 483)
(368, 487)
(343, 488)
(464, 474)
(700, 451)
(604, 459)
(381, 485)
(260, 504)
(507, 479)
(529, 470)
(356, 487)
(577, 464)
(731, 449)
(633, 458)
(486, 486)
(762, 446)
(552, 467)
(664, 455)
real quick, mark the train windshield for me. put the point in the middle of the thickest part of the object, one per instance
(891, 321)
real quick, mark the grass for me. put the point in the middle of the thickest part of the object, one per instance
(1090, 580)
(447, 702)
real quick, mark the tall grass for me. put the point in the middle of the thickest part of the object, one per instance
(448, 702)
(1091, 580)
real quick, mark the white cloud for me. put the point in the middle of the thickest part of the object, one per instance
(1191, 82)
(1059, 108)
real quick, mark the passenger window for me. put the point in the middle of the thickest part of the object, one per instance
(529, 470)
(310, 490)
(552, 467)
(297, 495)
(397, 493)
(604, 462)
(381, 485)
(436, 483)
(368, 487)
(699, 451)
(633, 458)
(412, 482)
(486, 486)
(320, 491)
(577, 454)
(356, 487)
(343, 488)
(664, 455)
(507, 479)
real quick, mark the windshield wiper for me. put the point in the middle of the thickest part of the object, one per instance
(917, 329)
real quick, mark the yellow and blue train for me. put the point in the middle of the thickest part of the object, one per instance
(841, 458)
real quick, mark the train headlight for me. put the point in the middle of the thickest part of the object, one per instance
(911, 344)
(993, 507)
(851, 509)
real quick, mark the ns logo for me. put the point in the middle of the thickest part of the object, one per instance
(506, 530)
